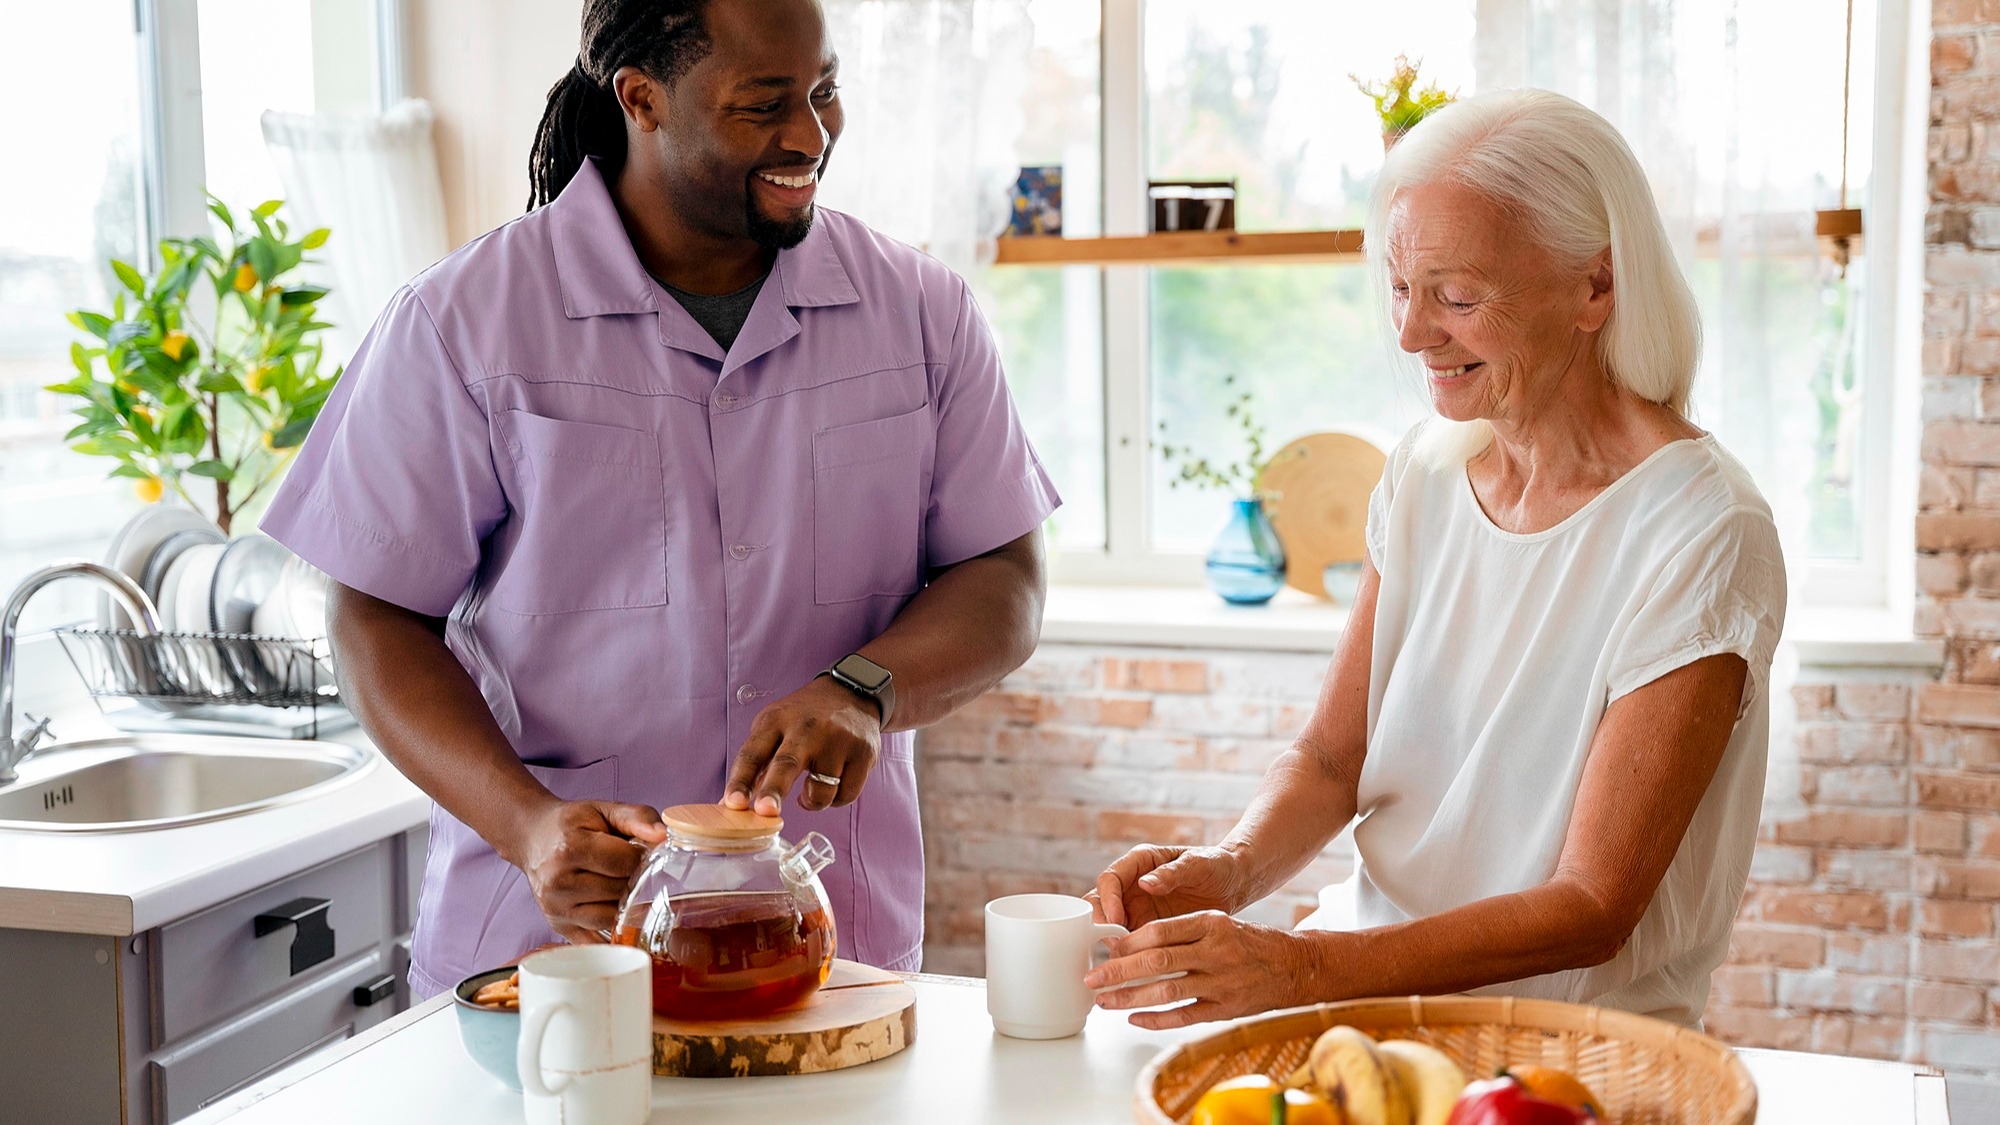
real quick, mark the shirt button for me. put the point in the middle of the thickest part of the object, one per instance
(743, 551)
(727, 400)
(746, 693)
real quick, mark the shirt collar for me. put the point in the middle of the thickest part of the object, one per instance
(600, 273)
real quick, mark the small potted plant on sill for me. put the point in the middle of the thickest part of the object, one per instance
(1398, 101)
(209, 367)
(1246, 563)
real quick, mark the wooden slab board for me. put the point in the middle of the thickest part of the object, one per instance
(1316, 492)
(859, 1015)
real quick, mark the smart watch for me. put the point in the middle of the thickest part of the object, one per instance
(864, 677)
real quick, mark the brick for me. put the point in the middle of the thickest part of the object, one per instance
(1150, 828)
(1755, 1027)
(1867, 786)
(1868, 955)
(1151, 751)
(1156, 675)
(1853, 909)
(1775, 864)
(1985, 834)
(1288, 720)
(1961, 1050)
(1813, 701)
(1986, 482)
(1047, 745)
(1859, 1036)
(1873, 702)
(1208, 793)
(1825, 991)
(1751, 944)
(1057, 667)
(1976, 962)
(1950, 265)
(1979, 355)
(1972, 661)
(1970, 617)
(1947, 311)
(1959, 705)
(1275, 676)
(1844, 827)
(1245, 755)
(1953, 54)
(1206, 715)
(1958, 748)
(1864, 871)
(1985, 228)
(1956, 878)
(1853, 744)
(1939, 833)
(1942, 576)
(1953, 1003)
(1937, 531)
(1961, 442)
(1938, 356)
(1945, 918)
(1968, 791)
(1951, 397)
(1743, 985)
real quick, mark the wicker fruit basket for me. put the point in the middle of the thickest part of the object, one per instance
(1645, 1071)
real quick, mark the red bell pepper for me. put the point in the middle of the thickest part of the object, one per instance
(1503, 1101)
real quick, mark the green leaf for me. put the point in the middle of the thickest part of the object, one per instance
(315, 239)
(267, 208)
(213, 470)
(79, 356)
(94, 323)
(129, 276)
(131, 472)
(263, 259)
(215, 206)
(126, 331)
(214, 382)
(305, 294)
(291, 433)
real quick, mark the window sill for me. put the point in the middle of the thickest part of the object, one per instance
(1188, 617)
(1192, 617)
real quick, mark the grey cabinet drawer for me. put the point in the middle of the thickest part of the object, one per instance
(189, 1076)
(214, 964)
(413, 849)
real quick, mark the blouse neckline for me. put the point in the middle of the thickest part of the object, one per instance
(1576, 517)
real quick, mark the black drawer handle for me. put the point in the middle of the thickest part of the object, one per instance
(312, 938)
(374, 992)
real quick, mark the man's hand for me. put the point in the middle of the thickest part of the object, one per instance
(822, 728)
(579, 856)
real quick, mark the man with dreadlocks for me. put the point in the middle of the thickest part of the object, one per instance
(675, 489)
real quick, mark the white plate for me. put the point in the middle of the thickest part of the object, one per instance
(134, 545)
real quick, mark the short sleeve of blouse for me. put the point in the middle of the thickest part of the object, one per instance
(1376, 532)
(1722, 593)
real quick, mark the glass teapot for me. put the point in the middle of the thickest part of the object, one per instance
(736, 921)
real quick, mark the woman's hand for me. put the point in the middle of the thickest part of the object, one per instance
(1230, 968)
(1154, 881)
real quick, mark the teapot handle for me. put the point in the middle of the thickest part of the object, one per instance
(812, 853)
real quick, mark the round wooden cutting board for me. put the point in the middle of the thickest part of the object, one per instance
(859, 1015)
(1316, 493)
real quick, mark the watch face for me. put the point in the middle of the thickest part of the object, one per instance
(863, 671)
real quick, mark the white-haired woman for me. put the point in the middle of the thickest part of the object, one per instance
(1548, 711)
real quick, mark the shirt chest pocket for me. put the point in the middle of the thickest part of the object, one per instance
(588, 528)
(868, 507)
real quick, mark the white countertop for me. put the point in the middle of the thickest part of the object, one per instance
(128, 882)
(413, 1070)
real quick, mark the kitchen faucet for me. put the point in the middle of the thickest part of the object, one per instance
(14, 751)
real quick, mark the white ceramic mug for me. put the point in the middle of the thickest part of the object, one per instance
(1037, 954)
(586, 1049)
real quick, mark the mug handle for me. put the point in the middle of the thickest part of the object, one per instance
(1100, 932)
(528, 1053)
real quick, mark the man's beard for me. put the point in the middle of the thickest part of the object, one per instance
(779, 234)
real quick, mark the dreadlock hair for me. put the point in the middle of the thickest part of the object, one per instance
(664, 38)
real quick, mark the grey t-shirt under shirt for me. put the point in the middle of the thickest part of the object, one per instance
(721, 315)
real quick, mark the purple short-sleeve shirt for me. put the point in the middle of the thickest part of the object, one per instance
(640, 540)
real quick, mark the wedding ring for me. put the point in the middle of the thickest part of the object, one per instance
(824, 778)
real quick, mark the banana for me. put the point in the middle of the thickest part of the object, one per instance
(1432, 1081)
(1349, 1072)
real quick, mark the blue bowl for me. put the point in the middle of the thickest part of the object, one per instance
(490, 1035)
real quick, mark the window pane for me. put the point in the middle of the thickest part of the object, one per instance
(1259, 92)
(255, 55)
(1050, 322)
(58, 226)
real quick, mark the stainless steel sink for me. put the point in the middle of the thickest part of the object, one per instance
(140, 782)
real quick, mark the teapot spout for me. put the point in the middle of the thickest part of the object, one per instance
(810, 855)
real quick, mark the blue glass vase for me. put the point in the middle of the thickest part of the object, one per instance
(1246, 566)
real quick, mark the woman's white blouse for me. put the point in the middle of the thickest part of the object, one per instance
(1495, 657)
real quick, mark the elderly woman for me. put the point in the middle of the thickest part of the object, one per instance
(1548, 715)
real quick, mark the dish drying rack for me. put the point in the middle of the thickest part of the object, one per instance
(179, 673)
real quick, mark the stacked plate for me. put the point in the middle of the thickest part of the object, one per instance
(236, 594)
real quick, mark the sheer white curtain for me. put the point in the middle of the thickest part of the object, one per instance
(933, 91)
(1706, 93)
(372, 179)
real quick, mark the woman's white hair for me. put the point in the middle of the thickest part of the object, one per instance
(1568, 176)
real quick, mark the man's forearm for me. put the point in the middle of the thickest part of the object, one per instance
(975, 622)
(427, 716)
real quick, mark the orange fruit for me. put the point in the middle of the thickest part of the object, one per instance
(174, 344)
(1550, 1084)
(246, 278)
(255, 382)
(150, 490)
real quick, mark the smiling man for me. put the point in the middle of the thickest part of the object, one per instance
(677, 488)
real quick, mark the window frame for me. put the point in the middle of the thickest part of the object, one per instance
(1882, 579)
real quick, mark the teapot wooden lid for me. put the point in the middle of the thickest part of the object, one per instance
(721, 823)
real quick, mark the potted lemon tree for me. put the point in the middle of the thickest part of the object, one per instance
(1400, 103)
(205, 375)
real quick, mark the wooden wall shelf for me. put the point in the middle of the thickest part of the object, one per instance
(1237, 248)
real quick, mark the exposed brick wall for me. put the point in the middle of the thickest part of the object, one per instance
(1087, 751)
